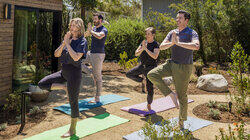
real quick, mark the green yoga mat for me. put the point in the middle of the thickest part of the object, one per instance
(84, 128)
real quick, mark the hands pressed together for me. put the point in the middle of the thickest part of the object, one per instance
(175, 39)
(67, 38)
(144, 45)
(89, 29)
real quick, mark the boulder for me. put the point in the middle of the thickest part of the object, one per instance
(213, 83)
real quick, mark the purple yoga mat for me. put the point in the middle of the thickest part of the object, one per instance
(158, 105)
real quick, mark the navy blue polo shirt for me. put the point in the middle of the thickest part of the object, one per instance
(98, 45)
(79, 46)
(179, 54)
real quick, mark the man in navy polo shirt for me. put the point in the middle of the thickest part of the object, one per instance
(182, 41)
(97, 53)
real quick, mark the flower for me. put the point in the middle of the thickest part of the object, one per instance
(235, 124)
(221, 129)
(236, 129)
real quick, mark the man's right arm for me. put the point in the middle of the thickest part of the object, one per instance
(166, 43)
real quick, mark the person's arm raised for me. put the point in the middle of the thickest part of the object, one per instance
(154, 54)
(98, 35)
(166, 43)
(140, 49)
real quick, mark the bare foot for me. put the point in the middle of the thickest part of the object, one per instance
(149, 107)
(174, 98)
(67, 134)
(95, 101)
(181, 124)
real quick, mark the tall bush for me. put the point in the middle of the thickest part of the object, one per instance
(164, 23)
(124, 34)
(240, 77)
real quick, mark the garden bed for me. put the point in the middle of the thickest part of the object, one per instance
(202, 111)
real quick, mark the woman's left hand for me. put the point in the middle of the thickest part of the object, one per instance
(67, 38)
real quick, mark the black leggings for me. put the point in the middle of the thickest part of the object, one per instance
(134, 75)
(70, 74)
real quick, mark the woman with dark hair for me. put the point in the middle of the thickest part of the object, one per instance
(148, 52)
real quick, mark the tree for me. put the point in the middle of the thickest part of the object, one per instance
(83, 5)
(117, 8)
(240, 78)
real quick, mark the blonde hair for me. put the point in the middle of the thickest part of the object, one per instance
(79, 24)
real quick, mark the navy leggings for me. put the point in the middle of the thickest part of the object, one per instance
(134, 75)
(70, 74)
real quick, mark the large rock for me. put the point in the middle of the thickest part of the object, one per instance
(168, 80)
(212, 82)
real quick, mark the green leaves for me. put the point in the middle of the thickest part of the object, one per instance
(240, 77)
(124, 34)
(127, 64)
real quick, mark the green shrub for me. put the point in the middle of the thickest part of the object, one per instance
(18, 119)
(223, 107)
(150, 131)
(123, 59)
(13, 102)
(238, 133)
(193, 78)
(212, 104)
(164, 23)
(213, 71)
(131, 63)
(124, 34)
(240, 78)
(214, 113)
(3, 126)
(124, 64)
(35, 110)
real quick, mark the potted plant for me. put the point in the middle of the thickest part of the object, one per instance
(38, 95)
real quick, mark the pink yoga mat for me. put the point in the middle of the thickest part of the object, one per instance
(158, 105)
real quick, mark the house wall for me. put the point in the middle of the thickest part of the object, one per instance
(157, 5)
(6, 38)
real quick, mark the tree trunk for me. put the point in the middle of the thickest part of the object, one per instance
(202, 52)
(83, 13)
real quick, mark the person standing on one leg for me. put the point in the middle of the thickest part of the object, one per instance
(69, 52)
(97, 52)
(182, 41)
(148, 52)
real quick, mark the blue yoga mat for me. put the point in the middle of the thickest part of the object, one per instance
(84, 105)
(191, 124)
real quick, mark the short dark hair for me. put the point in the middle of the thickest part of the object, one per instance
(151, 29)
(186, 14)
(98, 15)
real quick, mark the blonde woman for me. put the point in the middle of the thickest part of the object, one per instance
(69, 52)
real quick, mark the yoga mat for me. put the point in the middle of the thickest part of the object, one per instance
(192, 124)
(84, 105)
(158, 105)
(84, 128)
